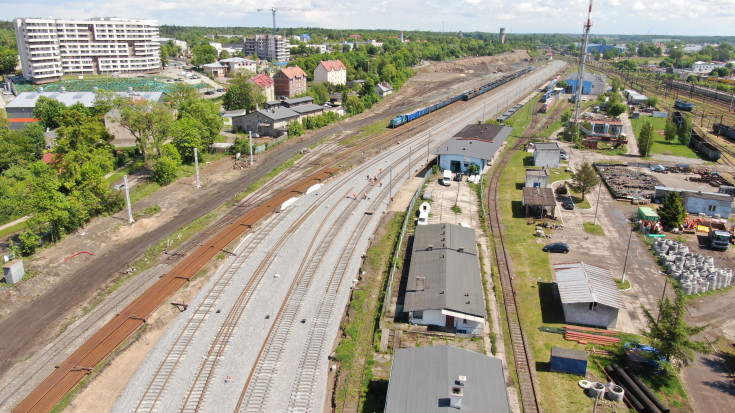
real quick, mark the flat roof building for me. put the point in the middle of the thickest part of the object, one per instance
(52, 48)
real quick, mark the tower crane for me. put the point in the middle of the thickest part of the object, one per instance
(274, 9)
(582, 61)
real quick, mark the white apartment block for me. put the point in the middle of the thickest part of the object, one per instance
(51, 48)
(272, 47)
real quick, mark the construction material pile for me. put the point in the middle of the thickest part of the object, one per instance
(584, 335)
(695, 272)
(624, 182)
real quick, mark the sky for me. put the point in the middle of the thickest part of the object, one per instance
(660, 17)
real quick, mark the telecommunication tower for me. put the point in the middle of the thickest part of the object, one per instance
(582, 61)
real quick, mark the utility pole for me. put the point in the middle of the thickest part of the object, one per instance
(409, 163)
(250, 139)
(127, 200)
(598, 201)
(196, 166)
(582, 61)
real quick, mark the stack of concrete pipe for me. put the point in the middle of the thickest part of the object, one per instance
(696, 273)
(638, 396)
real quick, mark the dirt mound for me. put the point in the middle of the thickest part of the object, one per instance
(481, 63)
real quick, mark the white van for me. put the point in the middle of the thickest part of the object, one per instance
(424, 210)
(447, 180)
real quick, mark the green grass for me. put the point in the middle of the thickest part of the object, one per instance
(13, 229)
(660, 146)
(622, 285)
(456, 209)
(593, 229)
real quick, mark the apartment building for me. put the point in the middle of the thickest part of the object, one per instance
(272, 47)
(51, 48)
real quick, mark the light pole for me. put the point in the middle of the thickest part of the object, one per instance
(598, 201)
(625, 264)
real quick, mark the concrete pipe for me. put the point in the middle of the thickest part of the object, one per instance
(615, 393)
(596, 390)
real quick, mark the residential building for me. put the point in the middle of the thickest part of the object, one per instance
(589, 295)
(51, 48)
(265, 83)
(20, 109)
(476, 144)
(332, 71)
(445, 379)
(232, 64)
(290, 81)
(546, 154)
(444, 285)
(272, 47)
(383, 89)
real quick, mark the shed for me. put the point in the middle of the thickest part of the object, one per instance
(539, 201)
(647, 214)
(13, 271)
(589, 295)
(546, 154)
(570, 361)
(537, 178)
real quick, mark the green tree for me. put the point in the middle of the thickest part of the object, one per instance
(188, 135)
(224, 54)
(164, 170)
(207, 114)
(652, 102)
(565, 117)
(611, 53)
(616, 109)
(319, 92)
(48, 112)
(8, 60)
(645, 139)
(685, 131)
(671, 335)
(585, 179)
(672, 212)
(202, 54)
(242, 96)
(295, 128)
(562, 84)
(353, 105)
(676, 54)
(670, 130)
(473, 169)
(721, 72)
(150, 124)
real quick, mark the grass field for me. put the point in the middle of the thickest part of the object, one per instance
(660, 146)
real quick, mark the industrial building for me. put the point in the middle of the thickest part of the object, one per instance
(592, 84)
(713, 204)
(589, 295)
(476, 144)
(271, 47)
(444, 285)
(445, 379)
(546, 154)
(52, 48)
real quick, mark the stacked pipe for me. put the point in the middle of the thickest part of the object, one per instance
(696, 273)
(655, 400)
(638, 398)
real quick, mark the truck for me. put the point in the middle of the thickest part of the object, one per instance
(718, 236)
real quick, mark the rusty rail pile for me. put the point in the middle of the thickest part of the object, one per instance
(110, 336)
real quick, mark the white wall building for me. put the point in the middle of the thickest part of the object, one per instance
(270, 47)
(706, 67)
(332, 71)
(51, 48)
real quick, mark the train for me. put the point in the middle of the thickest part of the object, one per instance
(682, 105)
(700, 90)
(470, 94)
(724, 130)
(700, 144)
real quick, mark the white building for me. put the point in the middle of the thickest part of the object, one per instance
(476, 144)
(270, 47)
(706, 67)
(332, 71)
(546, 154)
(51, 48)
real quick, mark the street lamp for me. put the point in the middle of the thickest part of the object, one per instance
(625, 264)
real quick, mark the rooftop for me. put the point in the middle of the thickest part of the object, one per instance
(584, 283)
(422, 378)
(293, 72)
(489, 133)
(309, 107)
(29, 99)
(538, 196)
(445, 271)
(476, 141)
(546, 146)
(333, 65)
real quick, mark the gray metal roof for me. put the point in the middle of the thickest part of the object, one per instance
(537, 172)
(234, 113)
(476, 141)
(278, 113)
(546, 146)
(309, 107)
(29, 99)
(443, 277)
(299, 101)
(568, 353)
(421, 380)
(584, 283)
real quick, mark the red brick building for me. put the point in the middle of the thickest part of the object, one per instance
(290, 81)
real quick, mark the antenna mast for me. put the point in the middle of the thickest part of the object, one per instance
(582, 61)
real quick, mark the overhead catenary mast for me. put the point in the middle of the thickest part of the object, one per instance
(582, 61)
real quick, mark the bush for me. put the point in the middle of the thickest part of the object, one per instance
(164, 171)
(29, 241)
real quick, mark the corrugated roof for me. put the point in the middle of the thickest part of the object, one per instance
(537, 172)
(444, 277)
(333, 65)
(538, 196)
(421, 380)
(29, 99)
(584, 283)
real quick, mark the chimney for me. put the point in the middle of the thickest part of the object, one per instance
(455, 397)
(430, 247)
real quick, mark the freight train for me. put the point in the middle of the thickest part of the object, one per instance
(408, 117)
(700, 144)
(724, 130)
(700, 90)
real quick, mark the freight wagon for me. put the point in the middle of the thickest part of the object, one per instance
(724, 130)
(470, 94)
(700, 144)
(700, 90)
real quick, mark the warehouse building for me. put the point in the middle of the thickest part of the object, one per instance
(592, 84)
(713, 204)
(476, 144)
(546, 154)
(589, 295)
(445, 379)
(52, 48)
(444, 285)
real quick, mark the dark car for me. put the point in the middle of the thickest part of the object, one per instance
(221, 90)
(557, 247)
(567, 204)
(209, 92)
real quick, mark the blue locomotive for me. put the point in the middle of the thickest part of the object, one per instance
(402, 119)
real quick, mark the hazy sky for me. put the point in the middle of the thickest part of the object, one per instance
(664, 17)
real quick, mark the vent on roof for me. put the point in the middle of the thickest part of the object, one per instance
(430, 247)
(460, 249)
(455, 397)
(461, 380)
(466, 294)
(467, 302)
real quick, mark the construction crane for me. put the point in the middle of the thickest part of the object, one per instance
(582, 61)
(274, 9)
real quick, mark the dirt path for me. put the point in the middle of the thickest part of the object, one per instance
(58, 290)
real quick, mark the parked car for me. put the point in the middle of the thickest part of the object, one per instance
(209, 92)
(557, 247)
(567, 205)
(564, 156)
(221, 90)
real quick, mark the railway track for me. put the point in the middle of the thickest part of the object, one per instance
(522, 352)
